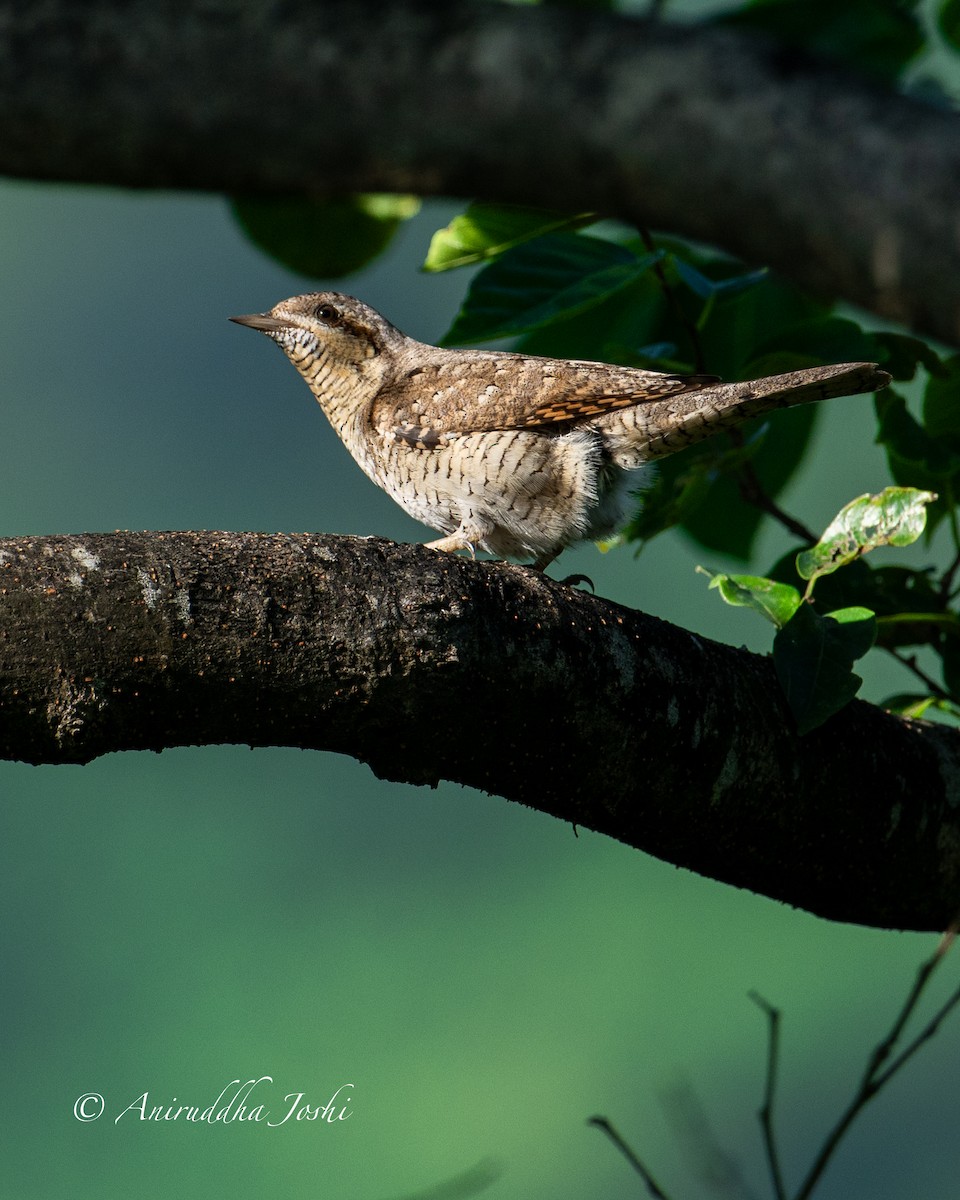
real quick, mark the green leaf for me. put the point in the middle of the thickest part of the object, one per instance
(859, 625)
(814, 656)
(895, 589)
(747, 324)
(909, 704)
(486, 231)
(611, 331)
(941, 404)
(823, 339)
(948, 22)
(910, 449)
(917, 628)
(775, 601)
(731, 285)
(917, 705)
(914, 457)
(901, 355)
(696, 281)
(910, 610)
(669, 496)
(682, 483)
(323, 239)
(724, 522)
(894, 517)
(705, 287)
(949, 651)
(656, 351)
(735, 310)
(903, 437)
(543, 281)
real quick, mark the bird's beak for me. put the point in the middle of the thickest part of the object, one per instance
(262, 321)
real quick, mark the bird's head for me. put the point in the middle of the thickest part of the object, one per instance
(348, 335)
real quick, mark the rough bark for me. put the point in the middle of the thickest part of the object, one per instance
(427, 666)
(710, 133)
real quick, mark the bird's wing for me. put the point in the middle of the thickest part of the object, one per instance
(479, 391)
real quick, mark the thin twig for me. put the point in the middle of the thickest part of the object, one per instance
(652, 1186)
(935, 1021)
(873, 1080)
(924, 1035)
(753, 492)
(706, 1157)
(766, 1112)
(883, 1049)
(911, 665)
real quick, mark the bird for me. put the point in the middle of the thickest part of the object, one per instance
(516, 455)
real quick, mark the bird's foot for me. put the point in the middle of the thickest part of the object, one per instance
(576, 580)
(451, 544)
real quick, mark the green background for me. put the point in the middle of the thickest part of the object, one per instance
(483, 978)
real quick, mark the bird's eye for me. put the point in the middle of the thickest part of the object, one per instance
(328, 314)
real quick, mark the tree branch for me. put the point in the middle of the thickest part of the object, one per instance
(427, 666)
(716, 134)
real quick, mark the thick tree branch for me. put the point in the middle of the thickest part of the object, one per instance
(427, 667)
(710, 133)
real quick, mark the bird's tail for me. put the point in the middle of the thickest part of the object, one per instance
(663, 427)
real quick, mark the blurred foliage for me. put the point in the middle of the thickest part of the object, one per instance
(948, 21)
(879, 37)
(323, 238)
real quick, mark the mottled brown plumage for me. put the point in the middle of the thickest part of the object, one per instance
(511, 453)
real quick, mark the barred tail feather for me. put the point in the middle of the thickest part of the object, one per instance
(694, 416)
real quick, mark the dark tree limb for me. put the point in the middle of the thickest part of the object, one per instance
(431, 667)
(715, 134)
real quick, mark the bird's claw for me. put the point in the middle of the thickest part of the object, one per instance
(574, 580)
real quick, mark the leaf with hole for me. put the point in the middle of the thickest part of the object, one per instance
(894, 517)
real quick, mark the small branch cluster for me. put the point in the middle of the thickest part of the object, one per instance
(883, 1064)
